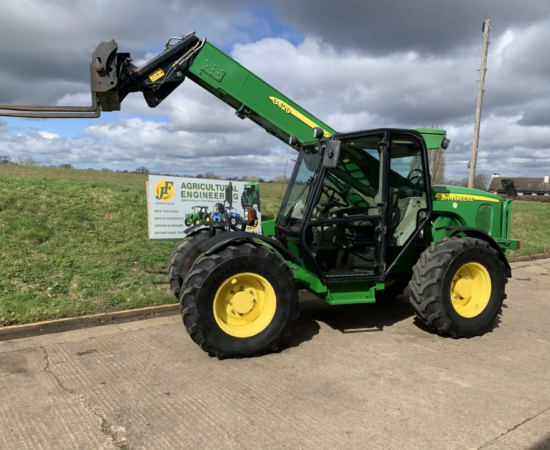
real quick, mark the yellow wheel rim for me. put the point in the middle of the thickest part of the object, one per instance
(245, 305)
(471, 290)
(197, 222)
(207, 219)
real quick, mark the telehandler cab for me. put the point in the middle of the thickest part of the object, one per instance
(360, 219)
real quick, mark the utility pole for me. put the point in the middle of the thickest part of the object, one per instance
(486, 30)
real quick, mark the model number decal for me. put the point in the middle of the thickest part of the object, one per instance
(290, 110)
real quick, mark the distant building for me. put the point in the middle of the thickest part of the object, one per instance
(524, 186)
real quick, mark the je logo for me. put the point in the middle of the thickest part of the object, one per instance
(164, 190)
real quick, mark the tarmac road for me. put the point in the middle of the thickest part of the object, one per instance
(363, 376)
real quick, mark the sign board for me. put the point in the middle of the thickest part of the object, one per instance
(176, 204)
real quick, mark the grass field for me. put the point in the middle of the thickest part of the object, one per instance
(74, 242)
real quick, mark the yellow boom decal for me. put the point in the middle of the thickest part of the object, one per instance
(290, 110)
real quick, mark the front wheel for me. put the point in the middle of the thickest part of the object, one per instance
(240, 302)
(458, 287)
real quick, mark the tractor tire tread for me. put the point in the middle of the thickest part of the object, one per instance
(430, 270)
(196, 277)
(178, 257)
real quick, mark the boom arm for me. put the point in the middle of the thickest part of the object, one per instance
(113, 77)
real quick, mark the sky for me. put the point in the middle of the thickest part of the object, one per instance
(355, 64)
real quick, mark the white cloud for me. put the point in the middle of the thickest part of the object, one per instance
(48, 135)
(192, 132)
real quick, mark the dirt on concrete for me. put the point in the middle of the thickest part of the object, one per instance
(361, 376)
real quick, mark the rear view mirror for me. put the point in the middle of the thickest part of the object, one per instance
(332, 153)
(509, 188)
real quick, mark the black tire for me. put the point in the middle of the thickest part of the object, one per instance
(182, 259)
(431, 286)
(187, 222)
(197, 221)
(205, 278)
(233, 221)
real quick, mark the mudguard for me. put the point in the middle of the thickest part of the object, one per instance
(219, 241)
(475, 233)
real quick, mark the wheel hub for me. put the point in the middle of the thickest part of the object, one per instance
(463, 289)
(471, 290)
(243, 301)
(244, 305)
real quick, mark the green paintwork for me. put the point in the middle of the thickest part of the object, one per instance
(268, 227)
(339, 293)
(433, 137)
(250, 96)
(463, 211)
(246, 92)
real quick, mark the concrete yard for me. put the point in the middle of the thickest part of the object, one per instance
(365, 376)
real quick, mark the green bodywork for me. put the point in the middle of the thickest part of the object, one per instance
(256, 100)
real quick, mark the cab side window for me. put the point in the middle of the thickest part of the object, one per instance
(407, 189)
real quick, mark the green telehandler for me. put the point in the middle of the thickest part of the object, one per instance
(359, 222)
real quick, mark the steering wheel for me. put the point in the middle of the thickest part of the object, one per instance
(419, 177)
(331, 201)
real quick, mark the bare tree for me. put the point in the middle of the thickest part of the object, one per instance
(481, 182)
(438, 163)
(211, 175)
(5, 159)
(280, 179)
(143, 170)
(252, 179)
(27, 161)
(66, 166)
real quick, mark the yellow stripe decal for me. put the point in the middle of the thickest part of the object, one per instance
(465, 198)
(290, 110)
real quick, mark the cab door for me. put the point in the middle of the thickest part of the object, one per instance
(344, 234)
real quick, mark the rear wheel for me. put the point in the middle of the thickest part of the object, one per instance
(458, 287)
(240, 302)
(197, 221)
(182, 259)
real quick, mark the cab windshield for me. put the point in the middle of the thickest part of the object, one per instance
(301, 183)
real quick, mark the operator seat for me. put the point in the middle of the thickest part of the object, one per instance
(376, 211)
